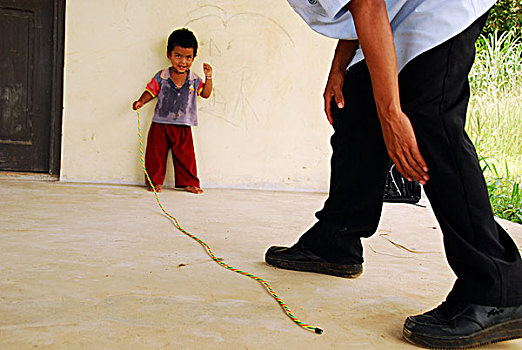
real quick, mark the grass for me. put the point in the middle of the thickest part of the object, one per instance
(504, 192)
(495, 120)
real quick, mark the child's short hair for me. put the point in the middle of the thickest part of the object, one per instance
(184, 38)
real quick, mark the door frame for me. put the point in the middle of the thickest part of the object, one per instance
(55, 135)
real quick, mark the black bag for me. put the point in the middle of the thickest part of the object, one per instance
(399, 190)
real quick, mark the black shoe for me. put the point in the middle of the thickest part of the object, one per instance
(299, 258)
(463, 326)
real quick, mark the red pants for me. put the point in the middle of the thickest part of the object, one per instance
(163, 137)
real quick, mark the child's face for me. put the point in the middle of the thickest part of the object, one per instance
(181, 58)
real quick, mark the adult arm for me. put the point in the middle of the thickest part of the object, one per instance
(376, 40)
(343, 55)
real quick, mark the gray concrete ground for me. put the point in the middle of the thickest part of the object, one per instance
(100, 267)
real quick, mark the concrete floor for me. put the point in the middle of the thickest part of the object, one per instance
(100, 267)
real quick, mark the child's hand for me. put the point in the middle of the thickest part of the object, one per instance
(207, 69)
(137, 105)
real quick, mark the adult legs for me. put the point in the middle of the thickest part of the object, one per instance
(358, 173)
(434, 94)
(485, 304)
(359, 166)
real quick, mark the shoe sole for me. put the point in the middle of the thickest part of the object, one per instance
(501, 332)
(346, 271)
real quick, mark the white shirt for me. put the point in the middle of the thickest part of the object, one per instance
(417, 25)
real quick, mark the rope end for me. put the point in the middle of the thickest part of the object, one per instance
(318, 331)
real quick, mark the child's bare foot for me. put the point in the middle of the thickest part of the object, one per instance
(193, 189)
(156, 187)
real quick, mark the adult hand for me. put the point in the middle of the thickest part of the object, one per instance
(402, 147)
(333, 89)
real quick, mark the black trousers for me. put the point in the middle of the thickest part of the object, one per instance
(434, 92)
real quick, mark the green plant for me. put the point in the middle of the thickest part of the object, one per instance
(495, 112)
(495, 120)
(505, 192)
(505, 16)
(498, 65)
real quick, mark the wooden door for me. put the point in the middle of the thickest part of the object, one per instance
(31, 83)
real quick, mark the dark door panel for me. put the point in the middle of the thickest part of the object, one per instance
(28, 65)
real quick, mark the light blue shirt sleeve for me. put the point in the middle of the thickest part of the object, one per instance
(334, 8)
(417, 25)
(327, 17)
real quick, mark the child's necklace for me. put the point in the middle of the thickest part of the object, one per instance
(176, 72)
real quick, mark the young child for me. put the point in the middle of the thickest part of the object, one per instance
(176, 88)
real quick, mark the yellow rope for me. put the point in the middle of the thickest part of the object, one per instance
(219, 261)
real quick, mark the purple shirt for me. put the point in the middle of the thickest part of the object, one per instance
(175, 106)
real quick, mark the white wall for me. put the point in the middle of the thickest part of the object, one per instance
(264, 125)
